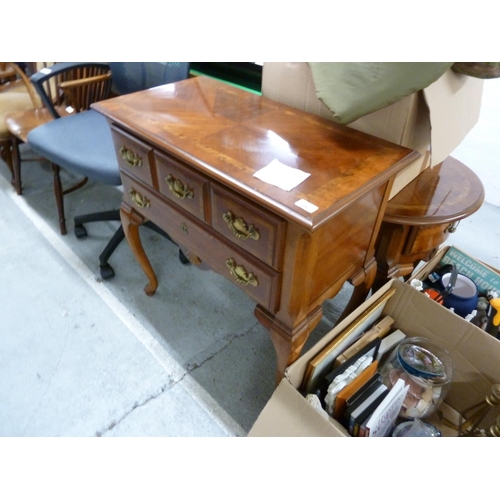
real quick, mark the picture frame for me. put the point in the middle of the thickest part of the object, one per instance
(324, 360)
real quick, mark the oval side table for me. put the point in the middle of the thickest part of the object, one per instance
(422, 216)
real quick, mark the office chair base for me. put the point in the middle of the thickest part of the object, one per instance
(106, 272)
(80, 232)
(79, 220)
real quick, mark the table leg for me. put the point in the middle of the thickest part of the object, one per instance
(288, 342)
(131, 221)
(363, 283)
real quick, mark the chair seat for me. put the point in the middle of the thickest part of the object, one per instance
(17, 86)
(10, 102)
(21, 123)
(81, 143)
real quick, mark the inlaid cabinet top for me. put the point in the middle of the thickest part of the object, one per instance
(229, 134)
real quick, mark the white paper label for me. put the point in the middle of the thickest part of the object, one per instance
(308, 207)
(282, 176)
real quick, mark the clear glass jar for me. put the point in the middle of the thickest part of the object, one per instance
(427, 368)
(415, 428)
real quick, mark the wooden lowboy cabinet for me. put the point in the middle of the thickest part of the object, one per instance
(188, 152)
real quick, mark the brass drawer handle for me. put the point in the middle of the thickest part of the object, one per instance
(130, 158)
(178, 189)
(452, 227)
(240, 274)
(140, 200)
(240, 228)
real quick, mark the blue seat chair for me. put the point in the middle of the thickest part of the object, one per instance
(70, 88)
(82, 143)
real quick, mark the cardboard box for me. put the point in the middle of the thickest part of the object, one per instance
(475, 354)
(433, 121)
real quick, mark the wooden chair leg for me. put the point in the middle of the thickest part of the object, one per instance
(16, 166)
(58, 193)
(6, 153)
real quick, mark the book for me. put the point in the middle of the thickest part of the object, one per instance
(483, 276)
(353, 400)
(361, 431)
(358, 430)
(386, 413)
(340, 403)
(361, 411)
(362, 427)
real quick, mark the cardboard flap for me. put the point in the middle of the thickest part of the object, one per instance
(454, 102)
(286, 415)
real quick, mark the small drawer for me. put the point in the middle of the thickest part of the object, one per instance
(249, 226)
(134, 157)
(181, 185)
(424, 238)
(259, 281)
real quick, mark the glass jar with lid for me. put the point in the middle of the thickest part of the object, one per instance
(428, 370)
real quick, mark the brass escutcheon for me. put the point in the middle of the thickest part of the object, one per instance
(140, 200)
(240, 274)
(240, 228)
(130, 158)
(178, 189)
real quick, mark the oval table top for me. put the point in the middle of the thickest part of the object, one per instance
(445, 193)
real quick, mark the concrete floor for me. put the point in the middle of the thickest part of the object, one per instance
(83, 357)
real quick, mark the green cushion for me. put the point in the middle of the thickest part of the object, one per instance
(352, 90)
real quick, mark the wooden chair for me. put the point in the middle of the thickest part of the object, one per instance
(7, 73)
(68, 88)
(16, 94)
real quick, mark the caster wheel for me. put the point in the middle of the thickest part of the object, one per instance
(183, 258)
(107, 272)
(80, 232)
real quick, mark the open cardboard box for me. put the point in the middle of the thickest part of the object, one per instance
(433, 121)
(475, 354)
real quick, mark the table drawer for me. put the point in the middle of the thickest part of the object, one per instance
(134, 157)
(425, 238)
(182, 185)
(259, 281)
(247, 225)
